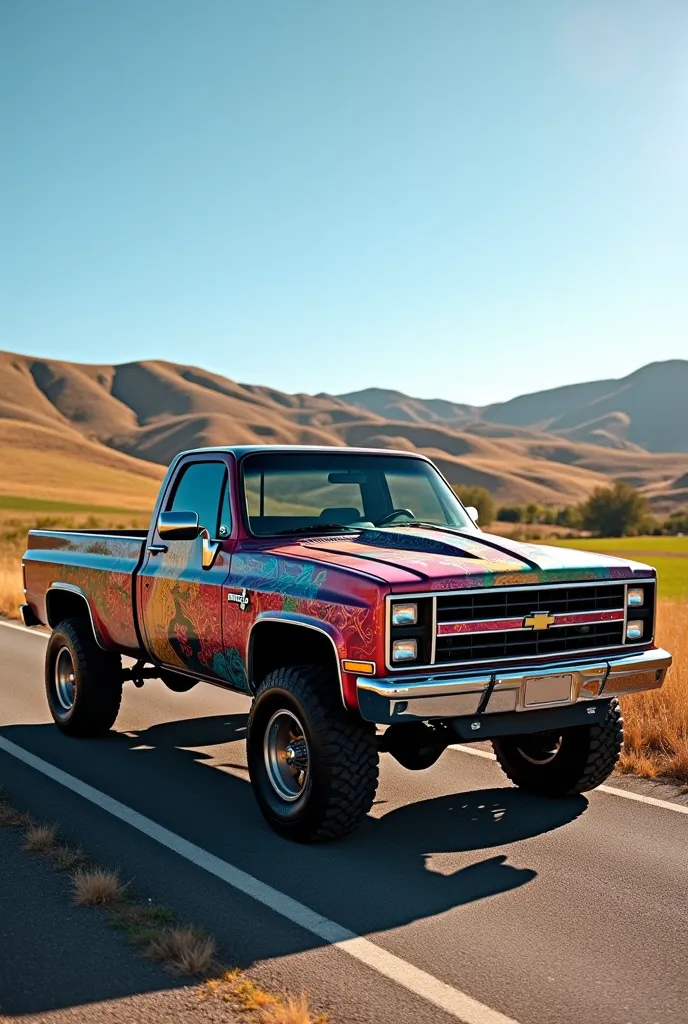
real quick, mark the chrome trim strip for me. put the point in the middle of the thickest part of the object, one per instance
(433, 626)
(529, 629)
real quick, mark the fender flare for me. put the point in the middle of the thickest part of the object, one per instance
(71, 588)
(304, 622)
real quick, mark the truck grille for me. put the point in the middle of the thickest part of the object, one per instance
(491, 625)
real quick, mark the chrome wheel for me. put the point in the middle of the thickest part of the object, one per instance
(286, 754)
(65, 683)
(540, 749)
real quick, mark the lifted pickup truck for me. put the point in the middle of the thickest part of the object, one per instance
(354, 598)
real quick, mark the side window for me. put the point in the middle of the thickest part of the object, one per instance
(202, 487)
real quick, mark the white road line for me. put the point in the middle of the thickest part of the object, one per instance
(667, 805)
(24, 629)
(653, 801)
(451, 1000)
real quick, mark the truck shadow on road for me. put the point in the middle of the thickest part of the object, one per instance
(407, 862)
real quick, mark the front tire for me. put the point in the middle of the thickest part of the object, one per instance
(83, 682)
(313, 764)
(565, 762)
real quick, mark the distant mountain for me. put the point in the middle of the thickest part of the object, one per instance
(393, 405)
(648, 408)
(550, 447)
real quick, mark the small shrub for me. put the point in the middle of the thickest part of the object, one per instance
(97, 888)
(40, 838)
(185, 950)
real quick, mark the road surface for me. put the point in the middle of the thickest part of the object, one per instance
(459, 899)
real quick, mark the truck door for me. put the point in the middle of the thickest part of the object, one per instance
(180, 597)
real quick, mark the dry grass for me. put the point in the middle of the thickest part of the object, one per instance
(67, 858)
(97, 888)
(656, 722)
(183, 949)
(240, 991)
(40, 838)
(10, 817)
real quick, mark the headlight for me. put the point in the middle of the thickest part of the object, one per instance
(405, 614)
(404, 650)
(634, 629)
(636, 597)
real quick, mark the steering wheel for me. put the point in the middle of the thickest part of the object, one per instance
(391, 516)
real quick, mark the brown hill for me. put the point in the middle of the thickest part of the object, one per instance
(59, 418)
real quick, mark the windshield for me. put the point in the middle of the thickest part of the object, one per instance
(300, 492)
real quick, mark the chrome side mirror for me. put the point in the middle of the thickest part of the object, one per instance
(472, 513)
(179, 525)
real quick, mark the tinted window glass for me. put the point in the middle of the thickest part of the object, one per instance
(307, 492)
(201, 489)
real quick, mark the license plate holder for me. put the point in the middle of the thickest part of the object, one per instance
(548, 689)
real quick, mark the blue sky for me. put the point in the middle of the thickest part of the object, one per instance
(455, 199)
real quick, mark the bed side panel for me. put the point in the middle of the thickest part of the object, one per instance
(101, 567)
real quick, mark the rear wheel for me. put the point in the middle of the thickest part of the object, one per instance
(313, 764)
(563, 762)
(83, 682)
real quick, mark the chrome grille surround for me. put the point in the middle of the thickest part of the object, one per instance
(609, 596)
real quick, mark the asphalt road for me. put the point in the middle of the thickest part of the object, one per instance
(471, 895)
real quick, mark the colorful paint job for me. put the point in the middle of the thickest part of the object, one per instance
(101, 567)
(157, 601)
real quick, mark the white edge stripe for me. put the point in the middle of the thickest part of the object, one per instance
(653, 801)
(24, 629)
(451, 1000)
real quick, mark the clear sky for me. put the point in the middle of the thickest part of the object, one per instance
(467, 199)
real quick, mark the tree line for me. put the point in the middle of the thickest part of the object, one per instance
(615, 511)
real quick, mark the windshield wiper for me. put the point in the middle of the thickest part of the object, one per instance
(419, 523)
(319, 528)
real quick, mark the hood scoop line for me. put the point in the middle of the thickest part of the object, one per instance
(393, 540)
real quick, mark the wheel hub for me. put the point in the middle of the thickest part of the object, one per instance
(65, 681)
(286, 755)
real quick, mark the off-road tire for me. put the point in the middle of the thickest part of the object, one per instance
(97, 681)
(587, 756)
(343, 756)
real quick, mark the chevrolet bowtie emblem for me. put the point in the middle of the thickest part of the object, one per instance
(538, 620)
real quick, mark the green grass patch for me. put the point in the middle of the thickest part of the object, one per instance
(668, 555)
(627, 545)
(17, 503)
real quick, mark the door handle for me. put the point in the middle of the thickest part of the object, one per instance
(157, 549)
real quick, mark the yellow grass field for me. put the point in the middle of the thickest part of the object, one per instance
(656, 723)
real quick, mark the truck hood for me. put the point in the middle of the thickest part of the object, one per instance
(436, 559)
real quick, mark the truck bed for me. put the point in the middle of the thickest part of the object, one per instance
(100, 566)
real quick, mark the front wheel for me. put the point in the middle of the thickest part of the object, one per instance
(563, 762)
(313, 764)
(83, 683)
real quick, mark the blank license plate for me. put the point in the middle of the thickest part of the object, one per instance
(548, 689)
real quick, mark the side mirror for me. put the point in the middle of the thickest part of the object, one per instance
(473, 513)
(179, 525)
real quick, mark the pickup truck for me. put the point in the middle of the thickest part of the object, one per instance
(351, 595)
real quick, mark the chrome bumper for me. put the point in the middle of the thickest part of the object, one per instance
(393, 699)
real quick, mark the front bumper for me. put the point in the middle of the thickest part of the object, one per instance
(555, 685)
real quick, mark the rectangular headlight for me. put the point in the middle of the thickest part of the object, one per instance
(634, 629)
(404, 650)
(405, 614)
(636, 597)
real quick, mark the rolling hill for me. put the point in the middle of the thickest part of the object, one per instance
(68, 428)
